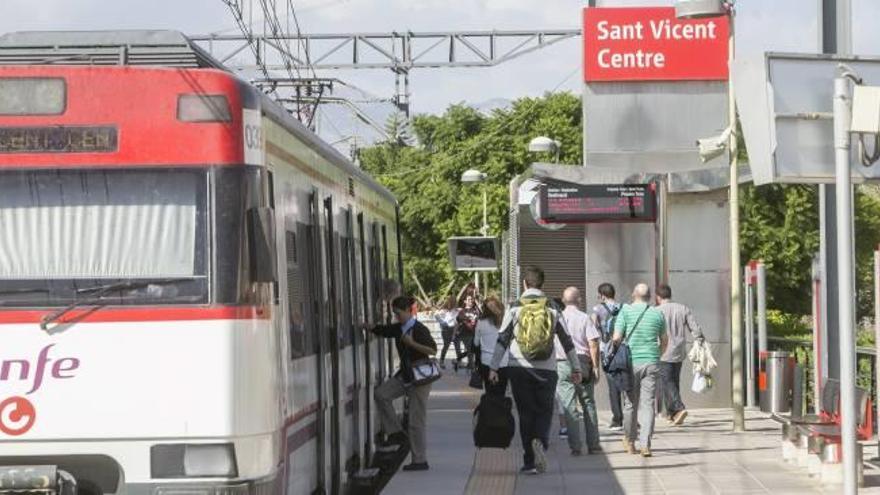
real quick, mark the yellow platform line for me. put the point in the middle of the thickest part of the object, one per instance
(494, 472)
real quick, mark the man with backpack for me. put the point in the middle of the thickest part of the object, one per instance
(527, 337)
(642, 329)
(604, 315)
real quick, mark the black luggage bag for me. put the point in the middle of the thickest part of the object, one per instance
(494, 425)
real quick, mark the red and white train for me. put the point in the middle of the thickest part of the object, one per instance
(183, 271)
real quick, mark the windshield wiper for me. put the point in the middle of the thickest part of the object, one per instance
(20, 291)
(98, 293)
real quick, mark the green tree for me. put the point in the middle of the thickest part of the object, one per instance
(779, 222)
(780, 225)
(426, 177)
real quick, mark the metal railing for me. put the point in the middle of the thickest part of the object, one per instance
(866, 365)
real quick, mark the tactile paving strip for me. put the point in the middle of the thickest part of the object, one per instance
(494, 472)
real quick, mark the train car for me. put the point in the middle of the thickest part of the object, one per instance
(184, 273)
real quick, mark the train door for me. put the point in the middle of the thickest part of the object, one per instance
(332, 338)
(315, 269)
(368, 362)
(350, 310)
(386, 292)
(377, 304)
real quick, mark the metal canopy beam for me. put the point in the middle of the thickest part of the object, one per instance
(392, 51)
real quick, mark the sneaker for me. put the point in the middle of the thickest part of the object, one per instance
(595, 450)
(563, 433)
(416, 466)
(528, 470)
(628, 447)
(443, 364)
(678, 419)
(646, 452)
(615, 427)
(540, 456)
(576, 452)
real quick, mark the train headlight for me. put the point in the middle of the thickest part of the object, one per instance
(193, 461)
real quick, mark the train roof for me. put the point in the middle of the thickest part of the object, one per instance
(152, 48)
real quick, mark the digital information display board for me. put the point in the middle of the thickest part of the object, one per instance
(58, 139)
(597, 203)
(474, 254)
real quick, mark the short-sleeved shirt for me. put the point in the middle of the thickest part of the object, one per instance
(581, 329)
(644, 343)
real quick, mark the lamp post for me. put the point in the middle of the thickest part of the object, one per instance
(701, 9)
(542, 144)
(475, 176)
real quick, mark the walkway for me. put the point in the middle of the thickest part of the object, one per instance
(703, 457)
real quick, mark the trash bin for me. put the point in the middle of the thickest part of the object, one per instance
(775, 381)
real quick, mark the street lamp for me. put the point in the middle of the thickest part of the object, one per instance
(475, 176)
(542, 144)
(472, 176)
(701, 9)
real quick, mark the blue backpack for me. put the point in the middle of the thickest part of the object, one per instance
(608, 323)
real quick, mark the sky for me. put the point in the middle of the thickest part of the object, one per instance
(782, 25)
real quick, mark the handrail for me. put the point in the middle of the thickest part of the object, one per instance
(868, 351)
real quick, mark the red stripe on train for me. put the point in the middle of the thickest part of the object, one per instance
(136, 314)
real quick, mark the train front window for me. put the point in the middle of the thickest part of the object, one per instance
(67, 232)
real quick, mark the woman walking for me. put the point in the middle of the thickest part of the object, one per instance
(447, 318)
(468, 316)
(486, 336)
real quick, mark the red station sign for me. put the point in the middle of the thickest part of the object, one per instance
(651, 44)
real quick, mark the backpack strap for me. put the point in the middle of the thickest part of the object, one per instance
(506, 335)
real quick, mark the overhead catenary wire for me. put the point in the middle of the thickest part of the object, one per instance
(237, 11)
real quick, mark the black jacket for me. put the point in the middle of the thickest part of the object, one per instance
(420, 334)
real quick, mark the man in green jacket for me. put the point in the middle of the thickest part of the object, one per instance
(643, 328)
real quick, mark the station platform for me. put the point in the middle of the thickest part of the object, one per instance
(701, 457)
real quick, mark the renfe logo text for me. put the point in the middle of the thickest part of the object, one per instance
(35, 372)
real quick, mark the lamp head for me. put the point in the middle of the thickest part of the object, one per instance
(542, 144)
(700, 9)
(473, 175)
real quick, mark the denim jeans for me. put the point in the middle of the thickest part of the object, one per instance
(670, 376)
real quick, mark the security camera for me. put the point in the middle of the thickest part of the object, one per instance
(712, 147)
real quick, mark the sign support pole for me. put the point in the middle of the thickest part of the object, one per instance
(842, 117)
(750, 336)
(736, 327)
(762, 306)
(877, 323)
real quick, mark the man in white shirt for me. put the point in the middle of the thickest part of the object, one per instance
(578, 401)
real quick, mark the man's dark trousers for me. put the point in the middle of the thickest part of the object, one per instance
(670, 375)
(534, 391)
(615, 398)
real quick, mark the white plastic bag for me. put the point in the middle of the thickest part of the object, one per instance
(700, 384)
